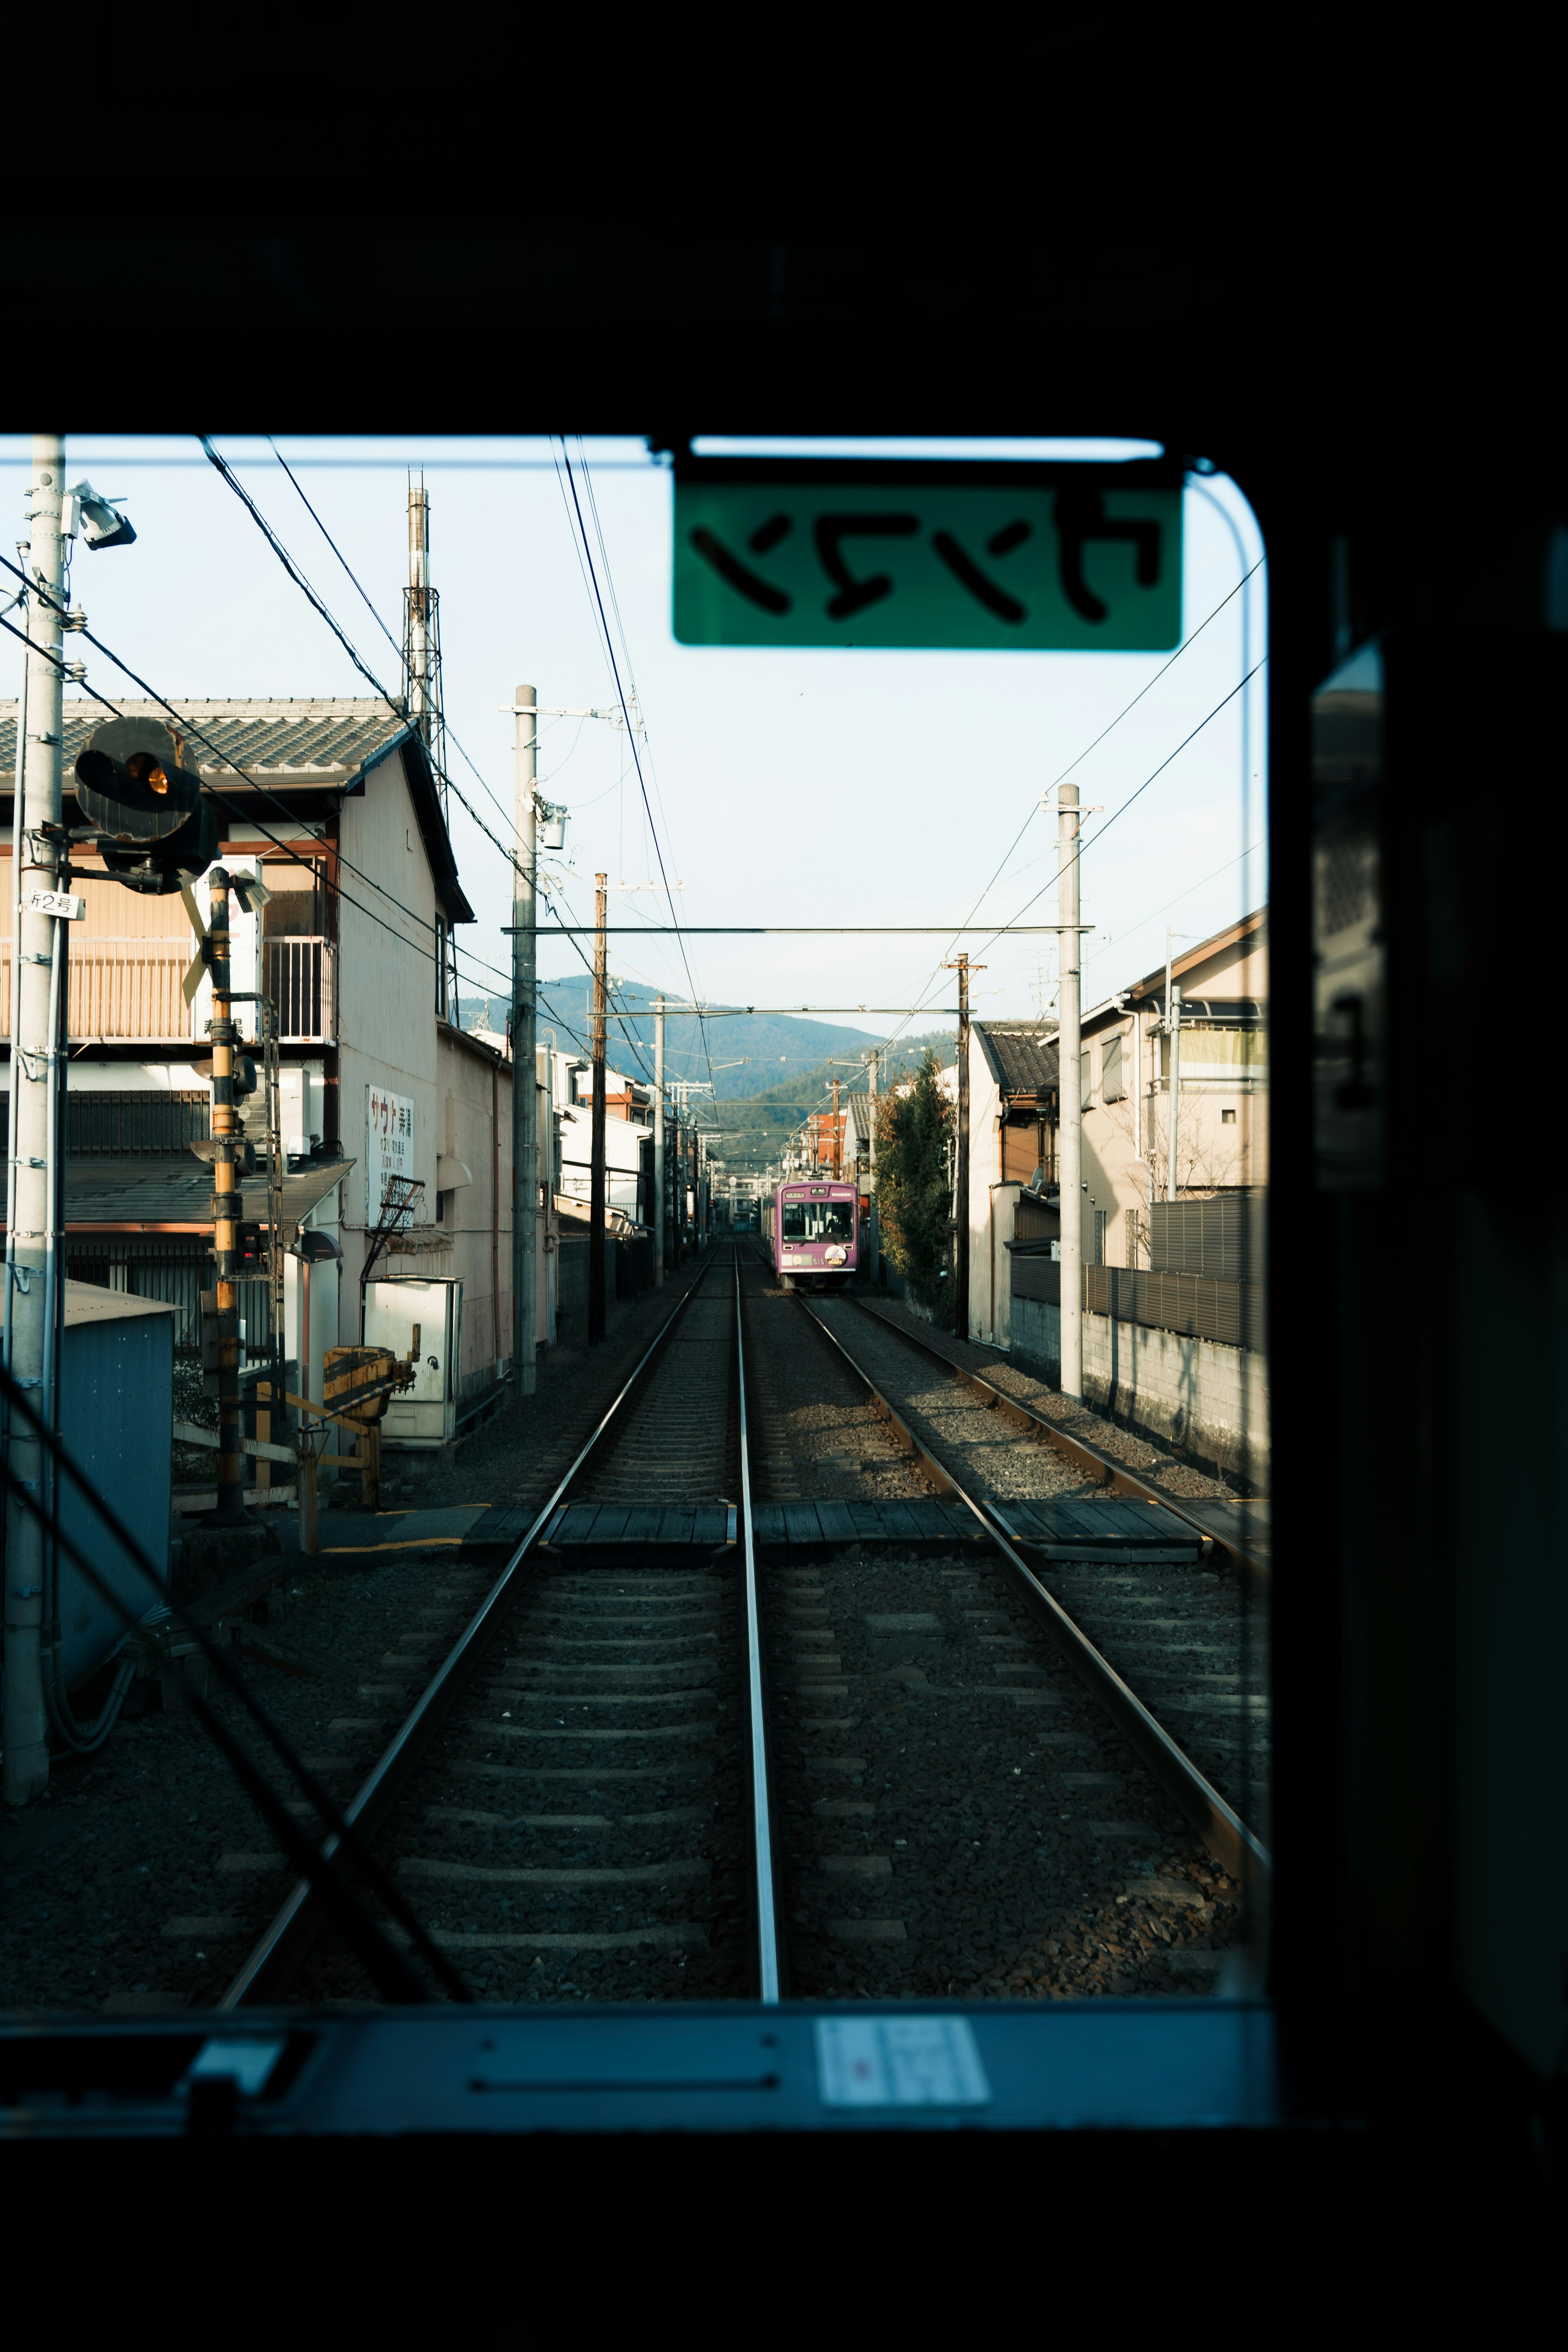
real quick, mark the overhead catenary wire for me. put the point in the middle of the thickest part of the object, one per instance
(394, 703)
(1081, 845)
(189, 726)
(1077, 762)
(365, 598)
(637, 757)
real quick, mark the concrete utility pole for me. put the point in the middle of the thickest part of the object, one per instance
(1070, 1094)
(524, 1016)
(874, 1242)
(657, 1141)
(597, 1170)
(837, 1136)
(23, 1723)
(1173, 1026)
(961, 1208)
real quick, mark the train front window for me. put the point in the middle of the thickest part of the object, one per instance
(818, 1220)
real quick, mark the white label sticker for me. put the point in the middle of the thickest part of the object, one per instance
(898, 2062)
(56, 902)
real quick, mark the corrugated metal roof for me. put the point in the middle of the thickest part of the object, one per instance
(143, 1196)
(290, 743)
(1022, 1055)
(303, 740)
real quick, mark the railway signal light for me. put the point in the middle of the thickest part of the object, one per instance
(154, 825)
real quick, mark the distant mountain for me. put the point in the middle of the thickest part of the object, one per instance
(785, 1062)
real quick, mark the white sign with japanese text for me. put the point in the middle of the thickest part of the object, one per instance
(388, 1146)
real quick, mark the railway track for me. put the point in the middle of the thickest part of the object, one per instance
(572, 1801)
(972, 1796)
(1186, 1636)
(636, 1776)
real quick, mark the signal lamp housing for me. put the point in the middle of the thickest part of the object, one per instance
(153, 823)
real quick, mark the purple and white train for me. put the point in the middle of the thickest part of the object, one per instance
(813, 1232)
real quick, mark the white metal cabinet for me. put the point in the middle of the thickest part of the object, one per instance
(426, 1414)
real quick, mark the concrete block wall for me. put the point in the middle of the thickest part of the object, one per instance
(1209, 1399)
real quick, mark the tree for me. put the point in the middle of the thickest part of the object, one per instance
(914, 1134)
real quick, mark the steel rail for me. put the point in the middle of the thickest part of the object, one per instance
(1221, 1828)
(1080, 1451)
(289, 1937)
(769, 1973)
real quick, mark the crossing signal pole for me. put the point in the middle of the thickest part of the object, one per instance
(227, 1211)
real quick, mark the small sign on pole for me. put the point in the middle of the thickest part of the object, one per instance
(56, 902)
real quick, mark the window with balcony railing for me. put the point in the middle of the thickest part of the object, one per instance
(300, 976)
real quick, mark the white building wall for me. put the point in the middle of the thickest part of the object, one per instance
(386, 978)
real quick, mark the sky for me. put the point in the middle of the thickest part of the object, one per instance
(834, 787)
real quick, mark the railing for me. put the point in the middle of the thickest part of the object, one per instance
(133, 988)
(119, 988)
(300, 977)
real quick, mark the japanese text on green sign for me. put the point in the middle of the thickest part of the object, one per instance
(1050, 567)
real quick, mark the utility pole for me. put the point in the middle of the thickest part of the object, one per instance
(22, 1722)
(837, 1136)
(1070, 1094)
(1174, 1029)
(596, 1174)
(524, 1015)
(875, 1245)
(657, 1141)
(961, 1256)
(964, 968)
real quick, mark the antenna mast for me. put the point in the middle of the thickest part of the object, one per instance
(422, 676)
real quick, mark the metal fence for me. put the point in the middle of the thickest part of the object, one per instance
(1201, 1305)
(1225, 1236)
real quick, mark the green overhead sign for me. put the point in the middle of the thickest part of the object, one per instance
(977, 558)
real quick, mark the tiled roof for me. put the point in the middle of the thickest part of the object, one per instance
(1022, 1055)
(311, 740)
(293, 744)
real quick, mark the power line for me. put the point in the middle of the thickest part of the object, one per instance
(1133, 928)
(189, 726)
(398, 709)
(637, 757)
(369, 606)
(1146, 688)
(1081, 844)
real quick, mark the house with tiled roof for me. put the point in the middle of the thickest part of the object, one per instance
(332, 804)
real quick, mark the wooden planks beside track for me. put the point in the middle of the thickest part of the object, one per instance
(1062, 1529)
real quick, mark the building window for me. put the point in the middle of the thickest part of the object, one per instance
(1085, 1079)
(1101, 1218)
(441, 1199)
(1227, 1118)
(1111, 1086)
